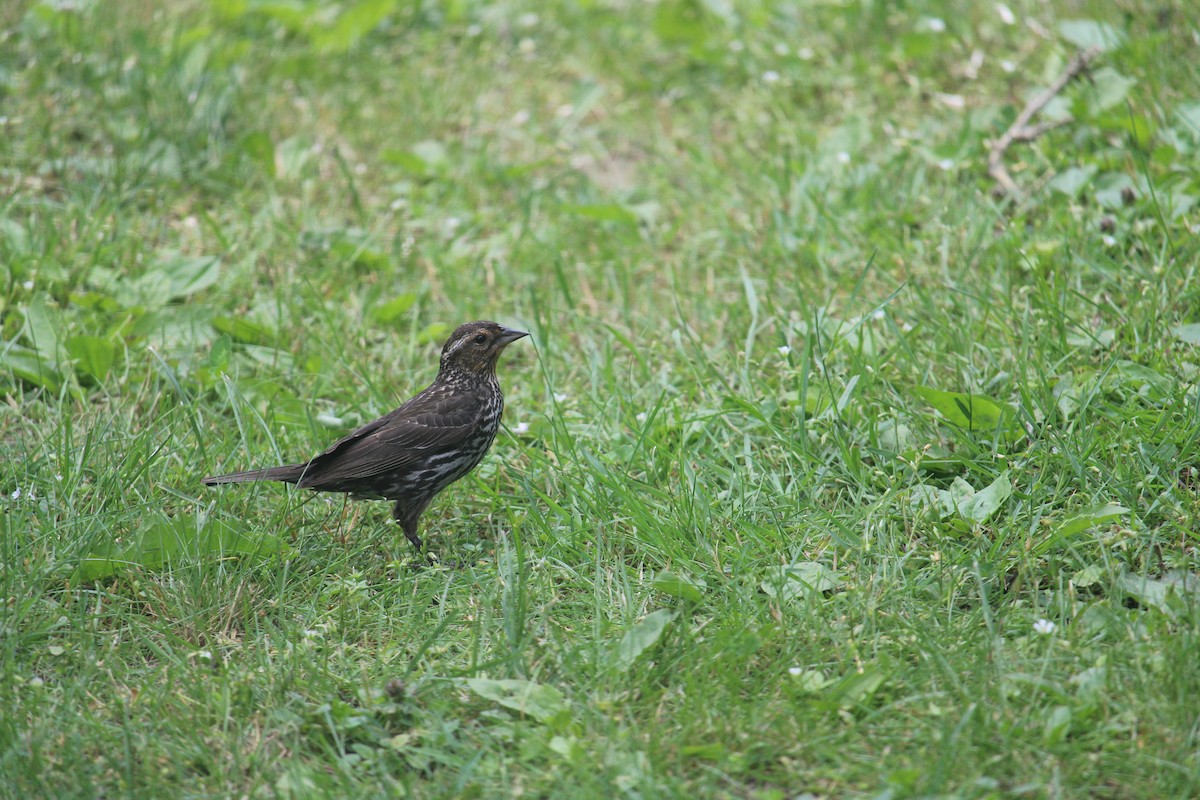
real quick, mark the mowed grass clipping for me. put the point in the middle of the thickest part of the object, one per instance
(828, 469)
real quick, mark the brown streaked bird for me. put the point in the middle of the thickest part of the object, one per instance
(413, 453)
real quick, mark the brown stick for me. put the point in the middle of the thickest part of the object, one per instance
(1022, 131)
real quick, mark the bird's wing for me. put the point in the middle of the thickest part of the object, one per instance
(429, 423)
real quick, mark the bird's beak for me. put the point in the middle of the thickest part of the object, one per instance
(509, 335)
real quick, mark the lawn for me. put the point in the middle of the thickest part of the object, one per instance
(837, 464)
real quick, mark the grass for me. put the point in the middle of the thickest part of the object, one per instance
(828, 472)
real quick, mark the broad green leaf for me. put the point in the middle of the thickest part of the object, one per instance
(979, 506)
(816, 400)
(41, 329)
(358, 254)
(975, 412)
(29, 366)
(1057, 725)
(272, 357)
(685, 588)
(1189, 117)
(1175, 593)
(1090, 518)
(292, 155)
(1107, 88)
(641, 637)
(680, 24)
(1091, 682)
(1068, 393)
(392, 310)
(222, 351)
(407, 161)
(962, 500)
(352, 25)
(800, 579)
(603, 212)
(1073, 180)
(94, 355)
(855, 689)
(536, 700)
(1088, 576)
(96, 300)
(1085, 33)
(1110, 189)
(810, 681)
(1149, 381)
(708, 750)
(259, 149)
(186, 275)
(569, 747)
(434, 333)
(433, 153)
(163, 540)
(1092, 339)
(1190, 333)
(894, 436)
(15, 236)
(243, 331)
(939, 502)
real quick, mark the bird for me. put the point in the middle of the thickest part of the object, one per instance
(410, 455)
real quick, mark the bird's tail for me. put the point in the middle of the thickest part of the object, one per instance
(289, 473)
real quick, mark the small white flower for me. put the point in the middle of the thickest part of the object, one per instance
(452, 224)
(527, 45)
(360, 169)
(521, 427)
(1044, 626)
(527, 20)
(781, 49)
(641, 417)
(16, 495)
(1008, 66)
(906, 327)
(805, 53)
(561, 397)
(946, 164)
(936, 24)
(783, 349)
(27, 285)
(564, 111)
(1109, 240)
(205, 654)
(878, 314)
(519, 118)
(736, 46)
(36, 681)
(843, 157)
(1006, 14)
(770, 76)
(795, 671)
(57, 477)
(474, 30)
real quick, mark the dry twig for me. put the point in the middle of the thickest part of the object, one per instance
(1022, 131)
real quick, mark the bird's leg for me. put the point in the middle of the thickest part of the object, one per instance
(408, 524)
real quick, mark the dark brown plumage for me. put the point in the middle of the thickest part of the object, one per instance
(411, 454)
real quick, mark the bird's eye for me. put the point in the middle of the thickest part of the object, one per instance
(480, 338)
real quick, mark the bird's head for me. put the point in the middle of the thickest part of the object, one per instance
(474, 347)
